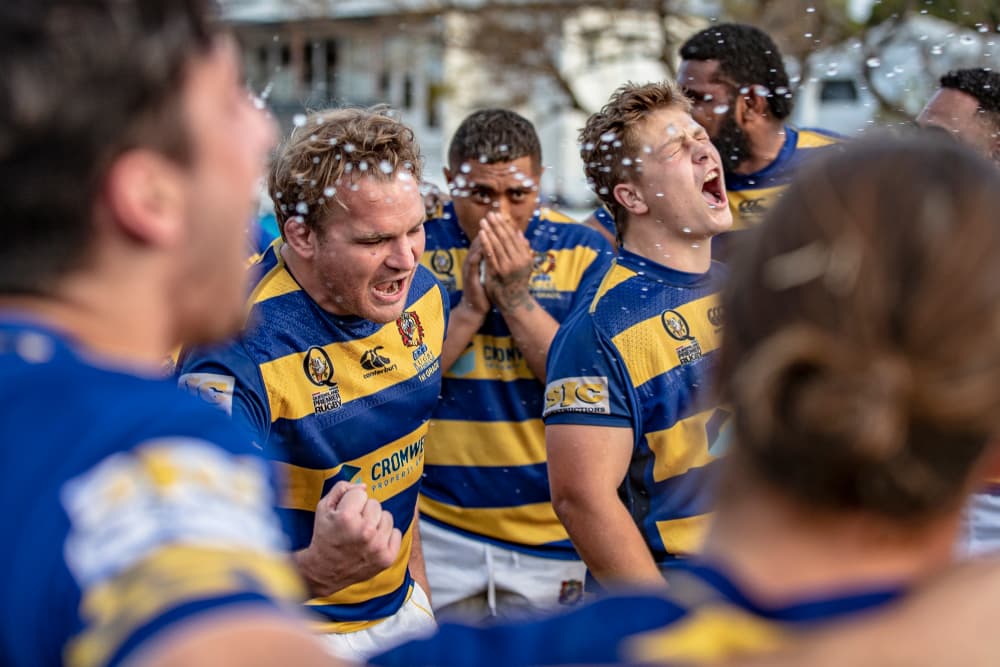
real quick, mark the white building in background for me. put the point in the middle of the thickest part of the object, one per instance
(905, 71)
(310, 54)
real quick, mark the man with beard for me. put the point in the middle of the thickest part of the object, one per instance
(736, 81)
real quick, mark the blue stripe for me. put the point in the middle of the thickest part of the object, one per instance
(486, 487)
(801, 611)
(298, 524)
(369, 610)
(666, 398)
(318, 441)
(490, 400)
(636, 300)
(296, 313)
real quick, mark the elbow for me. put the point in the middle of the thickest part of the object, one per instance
(567, 503)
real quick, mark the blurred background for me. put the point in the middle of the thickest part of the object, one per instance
(855, 64)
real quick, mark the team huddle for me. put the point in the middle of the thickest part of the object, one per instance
(717, 422)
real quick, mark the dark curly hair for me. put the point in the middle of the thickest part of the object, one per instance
(748, 56)
(494, 135)
(980, 83)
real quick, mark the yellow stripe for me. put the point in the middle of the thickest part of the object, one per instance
(681, 447)
(551, 215)
(808, 139)
(767, 198)
(614, 277)
(494, 358)
(708, 634)
(275, 282)
(289, 398)
(684, 537)
(567, 266)
(469, 443)
(383, 583)
(533, 524)
(303, 487)
(344, 627)
(651, 335)
(172, 576)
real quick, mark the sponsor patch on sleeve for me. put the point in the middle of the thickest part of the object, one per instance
(213, 388)
(166, 491)
(587, 394)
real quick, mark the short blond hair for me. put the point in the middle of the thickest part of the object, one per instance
(333, 149)
(608, 142)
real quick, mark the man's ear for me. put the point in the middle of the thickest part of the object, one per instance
(630, 198)
(447, 175)
(146, 195)
(752, 105)
(300, 237)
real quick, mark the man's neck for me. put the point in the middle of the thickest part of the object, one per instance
(654, 241)
(779, 553)
(765, 145)
(121, 325)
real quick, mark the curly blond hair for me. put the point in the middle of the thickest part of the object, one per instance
(333, 149)
(608, 142)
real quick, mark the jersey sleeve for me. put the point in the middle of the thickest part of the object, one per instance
(176, 526)
(594, 272)
(226, 377)
(587, 382)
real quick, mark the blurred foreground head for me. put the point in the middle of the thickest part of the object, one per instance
(126, 138)
(862, 348)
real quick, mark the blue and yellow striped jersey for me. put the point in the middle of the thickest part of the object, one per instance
(703, 617)
(752, 195)
(334, 398)
(606, 220)
(640, 358)
(486, 474)
(131, 508)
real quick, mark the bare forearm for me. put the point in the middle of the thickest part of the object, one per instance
(607, 539)
(318, 586)
(462, 327)
(418, 569)
(533, 330)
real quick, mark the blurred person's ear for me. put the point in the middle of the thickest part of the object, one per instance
(145, 195)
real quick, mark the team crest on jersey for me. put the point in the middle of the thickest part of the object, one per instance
(571, 592)
(375, 362)
(676, 326)
(410, 329)
(545, 262)
(442, 262)
(678, 329)
(443, 265)
(542, 284)
(412, 333)
(319, 369)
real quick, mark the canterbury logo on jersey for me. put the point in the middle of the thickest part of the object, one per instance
(753, 206)
(577, 394)
(376, 363)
